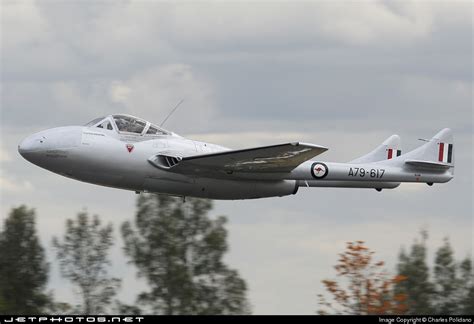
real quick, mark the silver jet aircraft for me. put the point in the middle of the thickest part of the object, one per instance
(122, 151)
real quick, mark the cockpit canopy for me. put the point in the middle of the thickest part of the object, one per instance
(127, 124)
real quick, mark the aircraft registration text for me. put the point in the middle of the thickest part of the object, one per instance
(361, 172)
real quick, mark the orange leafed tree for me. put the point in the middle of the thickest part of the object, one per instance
(367, 290)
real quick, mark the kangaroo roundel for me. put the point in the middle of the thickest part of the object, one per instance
(319, 170)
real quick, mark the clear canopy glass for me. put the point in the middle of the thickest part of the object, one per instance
(94, 121)
(127, 124)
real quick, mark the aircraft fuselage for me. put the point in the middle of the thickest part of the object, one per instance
(105, 156)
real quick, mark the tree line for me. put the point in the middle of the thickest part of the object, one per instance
(365, 288)
(178, 250)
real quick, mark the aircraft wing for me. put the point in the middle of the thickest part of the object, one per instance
(274, 158)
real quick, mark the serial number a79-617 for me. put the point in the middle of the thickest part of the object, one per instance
(361, 172)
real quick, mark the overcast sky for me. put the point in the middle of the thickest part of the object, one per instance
(345, 75)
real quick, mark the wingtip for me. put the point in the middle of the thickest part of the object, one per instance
(310, 145)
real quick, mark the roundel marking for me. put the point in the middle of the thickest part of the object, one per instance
(319, 170)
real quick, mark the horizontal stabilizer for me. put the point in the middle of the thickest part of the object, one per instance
(428, 164)
(438, 152)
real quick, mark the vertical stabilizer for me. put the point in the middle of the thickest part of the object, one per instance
(389, 149)
(438, 150)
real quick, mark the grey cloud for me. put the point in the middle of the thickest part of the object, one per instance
(263, 73)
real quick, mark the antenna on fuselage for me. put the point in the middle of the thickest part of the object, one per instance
(172, 111)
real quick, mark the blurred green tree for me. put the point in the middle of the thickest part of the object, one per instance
(23, 266)
(178, 249)
(449, 291)
(466, 288)
(446, 281)
(417, 287)
(453, 283)
(83, 259)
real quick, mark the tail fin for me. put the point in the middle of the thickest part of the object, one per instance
(438, 152)
(385, 151)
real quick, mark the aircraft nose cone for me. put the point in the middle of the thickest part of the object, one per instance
(25, 146)
(34, 147)
(31, 144)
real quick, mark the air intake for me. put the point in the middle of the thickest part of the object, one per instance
(164, 161)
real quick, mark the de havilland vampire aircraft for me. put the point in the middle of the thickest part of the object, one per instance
(122, 151)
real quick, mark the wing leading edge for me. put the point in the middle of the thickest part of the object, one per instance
(274, 158)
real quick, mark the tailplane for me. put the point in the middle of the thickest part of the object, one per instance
(389, 149)
(438, 152)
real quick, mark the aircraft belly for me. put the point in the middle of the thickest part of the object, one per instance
(219, 189)
(348, 184)
(111, 180)
(168, 186)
